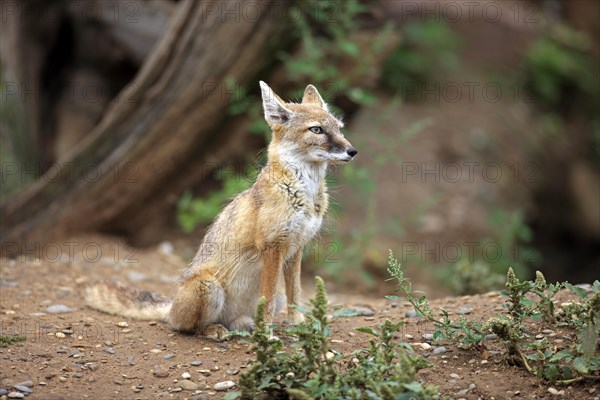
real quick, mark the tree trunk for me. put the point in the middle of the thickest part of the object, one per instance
(162, 123)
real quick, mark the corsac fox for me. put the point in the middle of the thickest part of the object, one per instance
(254, 247)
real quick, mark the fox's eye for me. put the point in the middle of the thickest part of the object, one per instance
(316, 129)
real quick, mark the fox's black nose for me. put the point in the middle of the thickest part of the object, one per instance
(352, 151)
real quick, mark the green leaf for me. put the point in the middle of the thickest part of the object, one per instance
(349, 48)
(415, 386)
(581, 365)
(369, 330)
(551, 372)
(394, 298)
(563, 354)
(588, 339)
(582, 293)
(232, 395)
(348, 312)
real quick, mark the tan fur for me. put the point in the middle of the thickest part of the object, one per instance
(254, 247)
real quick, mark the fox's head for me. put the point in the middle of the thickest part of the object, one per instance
(305, 132)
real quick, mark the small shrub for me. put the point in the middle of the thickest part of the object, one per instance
(427, 50)
(311, 370)
(528, 301)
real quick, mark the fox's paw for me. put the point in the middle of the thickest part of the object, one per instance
(242, 324)
(215, 332)
(295, 317)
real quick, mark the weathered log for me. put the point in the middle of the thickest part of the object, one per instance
(154, 127)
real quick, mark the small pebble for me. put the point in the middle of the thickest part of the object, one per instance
(196, 363)
(22, 389)
(15, 395)
(425, 346)
(60, 335)
(26, 383)
(491, 336)
(464, 310)
(455, 376)
(161, 374)
(439, 350)
(187, 385)
(3, 392)
(122, 324)
(428, 336)
(169, 356)
(109, 350)
(222, 386)
(58, 309)
(186, 375)
(410, 314)
(365, 312)
(556, 392)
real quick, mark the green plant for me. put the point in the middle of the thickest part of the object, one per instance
(311, 370)
(576, 362)
(427, 49)
(468, 276)
(465, 333)
(558, 65)
(508, 240)
(528, 303)
(6, 341)
(561, 75)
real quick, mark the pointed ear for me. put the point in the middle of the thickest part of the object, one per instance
(274, 107)
(312, 96)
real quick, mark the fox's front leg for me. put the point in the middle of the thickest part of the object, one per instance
(293, 290)
(269, 277)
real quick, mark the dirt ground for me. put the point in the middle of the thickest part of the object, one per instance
(80, 353)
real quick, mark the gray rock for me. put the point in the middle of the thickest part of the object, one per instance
(161, 374)
(491, 336)
(26, 383)
(464, 310)
(428, 336)
(196, 363)
(58, 309)
(365, 312)
(439, 350)
(410, 314)
(22, 389)
(15, 395)
(109, 350)
(3, 392)
(169, 356)
(187, 385)
(222, 386)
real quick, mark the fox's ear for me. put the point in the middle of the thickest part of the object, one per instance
(275, 110)
(312, 96)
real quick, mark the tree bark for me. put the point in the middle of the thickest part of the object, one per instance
(156, 125)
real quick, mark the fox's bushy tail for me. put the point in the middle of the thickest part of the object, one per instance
(114, 298)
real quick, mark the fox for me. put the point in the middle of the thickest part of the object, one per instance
(254, 246)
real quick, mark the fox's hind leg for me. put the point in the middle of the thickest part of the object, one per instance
(198, 306)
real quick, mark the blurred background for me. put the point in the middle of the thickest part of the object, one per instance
(477, 125)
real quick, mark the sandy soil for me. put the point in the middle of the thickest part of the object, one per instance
(82, 353)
